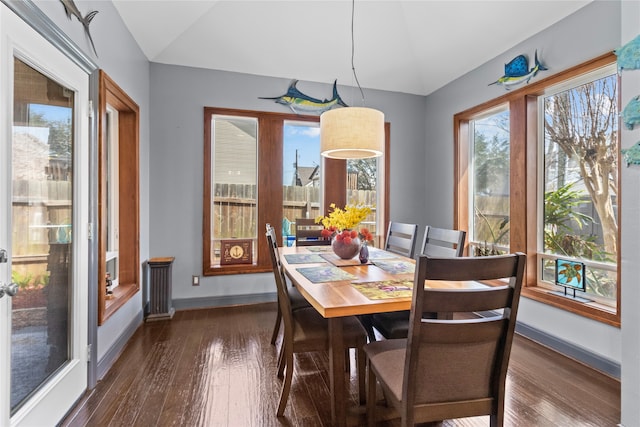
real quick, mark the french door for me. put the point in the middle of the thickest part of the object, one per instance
(44, 128)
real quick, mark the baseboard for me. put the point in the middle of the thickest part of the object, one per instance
(570, 350)
(113, 353)
(222, 301)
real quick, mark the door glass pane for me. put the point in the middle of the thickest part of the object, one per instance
(489, 192)
(362, 186)
(42, 215)
(234, 187)
(581, 181)
(301, 175)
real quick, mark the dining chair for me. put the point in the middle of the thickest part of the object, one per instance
(401, 239)
(296, 299)
(305, 330)
(308, 233)
(451, 368)
(437, 242)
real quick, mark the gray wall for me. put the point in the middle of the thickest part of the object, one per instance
(121, 58)
(590, 32)
(178, 95)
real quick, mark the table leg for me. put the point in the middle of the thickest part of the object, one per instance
(336, 372)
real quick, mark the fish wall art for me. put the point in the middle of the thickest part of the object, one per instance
(300, 103)
(517, 71)
(631, 113)
(631, 155)
(628, 56)
(70, 9)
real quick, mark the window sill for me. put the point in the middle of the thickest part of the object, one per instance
(236, 269)
(591, 310)
(121, 294)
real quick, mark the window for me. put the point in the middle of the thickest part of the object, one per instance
(537, 172)
(264, 168)
(489, 165)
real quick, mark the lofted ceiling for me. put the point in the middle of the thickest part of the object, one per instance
(409, 46)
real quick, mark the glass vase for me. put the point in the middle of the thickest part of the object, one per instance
(364, 253)
(346, 249)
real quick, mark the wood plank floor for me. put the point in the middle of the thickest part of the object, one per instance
(216, 367)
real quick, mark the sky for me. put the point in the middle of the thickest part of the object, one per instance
(306, 139)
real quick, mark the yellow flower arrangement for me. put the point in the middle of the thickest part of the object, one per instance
(340, 220)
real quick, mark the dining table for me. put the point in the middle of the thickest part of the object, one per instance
(339, 288)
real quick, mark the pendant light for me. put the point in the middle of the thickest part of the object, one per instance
(352, 132)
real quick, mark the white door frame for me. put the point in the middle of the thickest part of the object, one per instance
(81, 370)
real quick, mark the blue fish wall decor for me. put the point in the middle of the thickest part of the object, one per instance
(301, 103)
(70, 9)
(631, 155)
(629, 55)
(517, 71)
(631, 113)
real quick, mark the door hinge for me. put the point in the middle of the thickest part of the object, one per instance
(90, 231)
(89, 353)
(91, 109)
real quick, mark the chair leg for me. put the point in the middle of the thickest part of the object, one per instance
(276, 327)
(367, 324)
(281, 361)
(361, 366)
(371, 397)
(286, 385)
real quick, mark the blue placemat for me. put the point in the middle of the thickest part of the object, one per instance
(376, 253)
(303, 258)
(395, 266)
(325, 274)
(321, 248)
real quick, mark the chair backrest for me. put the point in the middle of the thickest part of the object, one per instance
(401, 238)
(308, 233)
(457, 368)
(281, 283)
(442, 242)
(272, 232)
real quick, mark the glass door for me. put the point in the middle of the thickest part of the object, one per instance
(43, 228)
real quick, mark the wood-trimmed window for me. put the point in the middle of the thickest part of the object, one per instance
(529, 206)
(252, 188)
(119, 197)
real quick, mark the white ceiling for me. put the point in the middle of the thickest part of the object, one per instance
(409, 46)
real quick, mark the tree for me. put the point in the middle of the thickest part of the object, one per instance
(366, 170)
(583, 122)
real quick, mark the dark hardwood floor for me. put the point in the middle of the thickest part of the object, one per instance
(216, 367)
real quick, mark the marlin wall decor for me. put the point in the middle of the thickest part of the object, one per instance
(301, 103)
(517, 71)
(70, 8)
(628, 56)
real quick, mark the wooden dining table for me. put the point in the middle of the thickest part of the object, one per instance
(336, 298)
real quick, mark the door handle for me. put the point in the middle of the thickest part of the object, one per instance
(10, 289)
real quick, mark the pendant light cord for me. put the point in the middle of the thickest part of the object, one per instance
(353, 67)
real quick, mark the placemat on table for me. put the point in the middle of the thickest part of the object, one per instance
(377, 253)
(322, 248)
(385, 289)
(303, 258)
(339, 262)
(395, 266)
(327, 273)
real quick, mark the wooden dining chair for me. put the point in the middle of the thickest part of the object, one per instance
(401, 240)
(308, 233)
(296, 299)
(451, 368)
(305, 330)
(437, 242)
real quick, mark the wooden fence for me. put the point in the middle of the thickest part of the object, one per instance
(234, 208)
